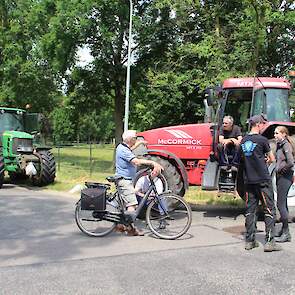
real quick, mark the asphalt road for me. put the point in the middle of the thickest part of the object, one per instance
(43, 252)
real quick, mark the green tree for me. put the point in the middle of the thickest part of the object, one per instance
(179, 46)
(24, 77)
(209, 42)
(63, 125)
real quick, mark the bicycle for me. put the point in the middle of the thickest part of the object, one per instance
(167, 215)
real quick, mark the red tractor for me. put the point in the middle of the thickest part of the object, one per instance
(189, 152)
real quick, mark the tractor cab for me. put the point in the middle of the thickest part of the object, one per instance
(16, 130)
(18, 120)
(19, 156)
(242, 98)
(11, 119)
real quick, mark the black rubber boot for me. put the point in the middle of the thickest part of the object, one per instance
(285, 237)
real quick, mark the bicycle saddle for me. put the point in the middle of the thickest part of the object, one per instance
(113, 178)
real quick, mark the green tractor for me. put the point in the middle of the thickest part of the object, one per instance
(19, 157)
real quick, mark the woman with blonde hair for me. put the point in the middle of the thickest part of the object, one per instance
(284, 169)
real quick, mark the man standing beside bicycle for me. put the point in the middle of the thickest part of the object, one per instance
(126, 163)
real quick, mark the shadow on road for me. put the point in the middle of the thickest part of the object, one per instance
(34, 226)
(220, 212)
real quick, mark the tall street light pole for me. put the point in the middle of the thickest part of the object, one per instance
(128, 69)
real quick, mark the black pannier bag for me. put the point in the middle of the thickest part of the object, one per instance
(94, 198)
(96, 185)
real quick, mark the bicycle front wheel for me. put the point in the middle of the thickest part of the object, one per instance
(92, 223)
(169, 216)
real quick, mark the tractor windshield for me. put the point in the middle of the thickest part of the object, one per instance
(273, 102)
(238, 105)
(11, 121)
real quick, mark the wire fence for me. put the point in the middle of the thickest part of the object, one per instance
(84, 158)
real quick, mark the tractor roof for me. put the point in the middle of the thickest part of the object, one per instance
(260, 82)
(12, 109)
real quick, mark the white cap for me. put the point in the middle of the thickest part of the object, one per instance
(128, 134)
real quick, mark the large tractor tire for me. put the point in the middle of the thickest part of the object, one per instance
(47, 168)
(15, 177)
(1, 171)
(172, 175)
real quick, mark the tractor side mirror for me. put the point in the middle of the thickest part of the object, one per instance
(208, 95)
(211, 94)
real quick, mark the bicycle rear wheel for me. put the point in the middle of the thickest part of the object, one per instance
(166, 220)
(91, 222)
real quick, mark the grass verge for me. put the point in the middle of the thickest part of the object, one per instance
(196, 196)
(77, 164)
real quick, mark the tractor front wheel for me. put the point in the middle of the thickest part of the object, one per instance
(15, 177)
(46, 174)
(172, 175)
(1, 171)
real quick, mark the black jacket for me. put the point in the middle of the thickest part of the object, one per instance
(284, 157)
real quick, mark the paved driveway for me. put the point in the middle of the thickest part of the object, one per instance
(43, 252)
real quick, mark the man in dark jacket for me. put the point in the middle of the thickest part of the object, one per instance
(255, 155)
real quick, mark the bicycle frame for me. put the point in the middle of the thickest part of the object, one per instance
(163, 222)
(151, 188)
(121, 217)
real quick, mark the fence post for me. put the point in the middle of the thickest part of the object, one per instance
(90, 156)
(58, 158)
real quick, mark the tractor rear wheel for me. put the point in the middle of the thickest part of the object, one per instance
(1, 171)
(46, 174)
(172, 175)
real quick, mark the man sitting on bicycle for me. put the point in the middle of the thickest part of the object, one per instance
(143, 185)
(126, 163)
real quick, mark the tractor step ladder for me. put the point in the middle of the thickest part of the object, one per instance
(227, 183)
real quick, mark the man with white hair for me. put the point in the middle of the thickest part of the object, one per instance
(126, 163)
(230, 137)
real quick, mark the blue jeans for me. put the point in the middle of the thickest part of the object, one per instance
(229, 155)
(161, 206)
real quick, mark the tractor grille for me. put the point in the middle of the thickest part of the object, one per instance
(24, 145)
